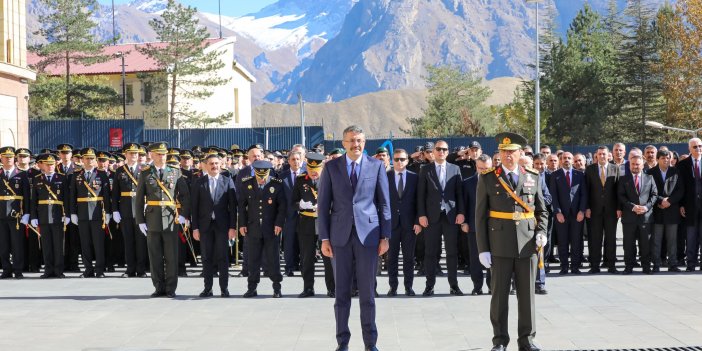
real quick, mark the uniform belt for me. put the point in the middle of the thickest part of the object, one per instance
(160, 203)
(309, 214)
(89, 199)
(11, 197)
(128, 193)
(511, 215)
(50, 202)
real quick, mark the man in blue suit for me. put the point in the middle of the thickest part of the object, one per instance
(214, 222)
(291, 249)
(355, 228)
(569, 202)
(403, 204)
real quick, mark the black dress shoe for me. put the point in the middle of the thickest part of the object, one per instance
(277, 294)
(628, 270)
(575, 271)
(225, 293)
(456, 291)
(19, 276)
(61, 276)
(45, 276)
(563, 271)
(289, 274)
(428, 292)
(613, 270)
(100, 275)
(243, 274)
(331, 293)
(540, 291)
(673, 269)
(498, 348)
(306, 293)
(647, 270)
(594, 270)
(513, 292)
(87, 275)
(392, 292)
(371, 348)
(530, 347)
(409, 292)
(250, 293)
(656, 269)
(128, 275)
(141, 275)
(342, 348)
(690, 269)
(158, 294)
(206, 293)
(183, 274)
(171, 294)
(476, 292)
(354, 293)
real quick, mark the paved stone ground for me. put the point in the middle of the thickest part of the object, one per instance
(584, 312)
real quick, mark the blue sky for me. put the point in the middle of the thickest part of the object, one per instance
(229, 7)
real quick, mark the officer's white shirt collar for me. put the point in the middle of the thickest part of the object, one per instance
(9, 171)
(508, 171)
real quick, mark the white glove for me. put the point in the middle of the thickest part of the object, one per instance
(35, 223)
(541, 240)
(67, 220)
(142, 227)
(183, 221)
(116, 217)
(74, 219)
(305, 205)
(485, 259)
(107, 218)
(25, 219)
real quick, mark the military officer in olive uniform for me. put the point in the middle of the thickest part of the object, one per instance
(510, 219)
(262, 210)
(14, 207)
(158, 189)
(304, 199)
(90, 210)
(124, 210)
(47, 213)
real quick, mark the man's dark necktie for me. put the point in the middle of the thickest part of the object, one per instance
(354, 177)
(160, 173)
(568, 178)
(400, 187)
(637, 184)
(697, 170)
(513, 180)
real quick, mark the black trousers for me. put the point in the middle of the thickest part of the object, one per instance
(632, 233)
(476, 268)
(114, 247)
(570, 241)
(307, 242)
(52, 240)
(463, 249)
(602, 227)
(72, 247)
(404, 240)
(433, 234)
(328, 273)
(214, 246)
(163, 255)
(92, 243)
(183, 250)
(257, 248)
(32, 253)
(11, 242)
(135, 251)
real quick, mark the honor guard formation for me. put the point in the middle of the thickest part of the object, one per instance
(505, 220)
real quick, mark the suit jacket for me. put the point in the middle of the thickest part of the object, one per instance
(673, 189)
(367, 209)
(430, 196)
(14, 184)
(568, 201)
(124, 191)
(404, 210)
(690, 201)
(49, 213)
(470, 188)
(260, 210)
(628, 197)
(602, 199)
(285, 176)
(507, 237)
(224, 205)
(99, 183)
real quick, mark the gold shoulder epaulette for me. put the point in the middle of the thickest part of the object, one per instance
(491, 169)
(246, 179)
(303, 174)
(277, 180)
(531, 170)
(145, 168)
(38, 175)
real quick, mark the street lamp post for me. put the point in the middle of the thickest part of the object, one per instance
(659, 125)
(537, 89)
(302, 117)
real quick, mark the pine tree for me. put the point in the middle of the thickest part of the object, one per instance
(188, 72)
(67, 28)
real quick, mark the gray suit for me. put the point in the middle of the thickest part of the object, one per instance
(637, 226)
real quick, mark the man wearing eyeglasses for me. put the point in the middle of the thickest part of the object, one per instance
(441, 210)
(403, 207)
(690, 170)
